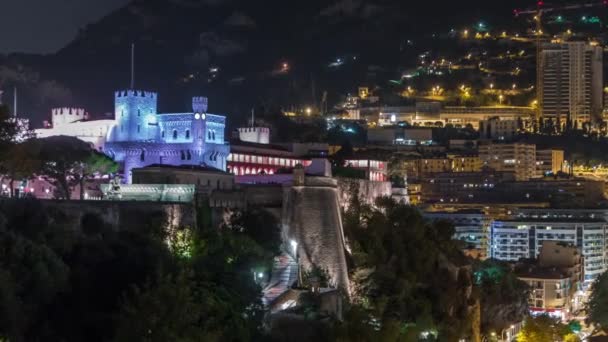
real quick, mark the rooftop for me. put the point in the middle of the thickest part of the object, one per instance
(541, 272)
(198, 168)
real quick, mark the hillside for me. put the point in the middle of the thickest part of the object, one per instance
(233, 52)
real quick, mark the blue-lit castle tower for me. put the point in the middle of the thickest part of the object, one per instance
(142, 137)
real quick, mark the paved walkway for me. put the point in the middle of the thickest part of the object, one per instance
(284, 275)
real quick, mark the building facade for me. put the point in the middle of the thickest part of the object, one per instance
(571, 82)
(465, 162)
(517, 158)
(470, 227)
(139, 136)
(512, 240)
(498, 129)
(549, 162)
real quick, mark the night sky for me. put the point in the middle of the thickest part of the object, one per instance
(44, 26)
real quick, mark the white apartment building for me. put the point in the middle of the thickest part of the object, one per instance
(511, 240)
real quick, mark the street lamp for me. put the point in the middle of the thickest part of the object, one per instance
(294, 246)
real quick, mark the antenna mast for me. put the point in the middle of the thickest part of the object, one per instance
(132, 65)
(15, 102)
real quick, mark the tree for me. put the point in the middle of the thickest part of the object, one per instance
(21, 162)
(31, 276)
(13, 161)
(165, 310)
(261, 226)
(63, 161)
(59, 283)
(401, 275)
(503, 297)
(9, 129)
(597, 306)
(95, 164)
(545, 328)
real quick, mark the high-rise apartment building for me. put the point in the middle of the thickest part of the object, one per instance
(571, 82)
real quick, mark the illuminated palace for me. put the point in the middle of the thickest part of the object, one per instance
(140, 136)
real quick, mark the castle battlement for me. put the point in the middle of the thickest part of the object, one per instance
(135, 93)
(254, 129)
(260, 135)
(69, 111)
(65, 115)
(200, 104)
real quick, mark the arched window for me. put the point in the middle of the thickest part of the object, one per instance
(213, 135)
(183, 156)
(138, 112)
(162, 134)
(187, 134)
(174, 134)
(209, 135)
(189, 155)
(142, 156)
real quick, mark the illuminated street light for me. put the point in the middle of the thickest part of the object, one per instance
(308, 110)
(491, 85)
(500, 99)
(294, 245)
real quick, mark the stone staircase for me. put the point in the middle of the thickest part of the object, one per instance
(284, 275)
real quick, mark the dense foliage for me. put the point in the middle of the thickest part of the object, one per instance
(411, 280)
(94, 283)
(545, 328)
(597, 306)
(64, 162)
(503, 297)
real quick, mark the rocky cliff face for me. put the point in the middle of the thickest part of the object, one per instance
(312, 219)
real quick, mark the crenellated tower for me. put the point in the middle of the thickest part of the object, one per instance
(135, 115)
(66, 115)
(199, 108)
(199, 104)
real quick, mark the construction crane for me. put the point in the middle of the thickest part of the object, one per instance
(538, 15)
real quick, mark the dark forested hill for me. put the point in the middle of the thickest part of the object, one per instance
(232, 51)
